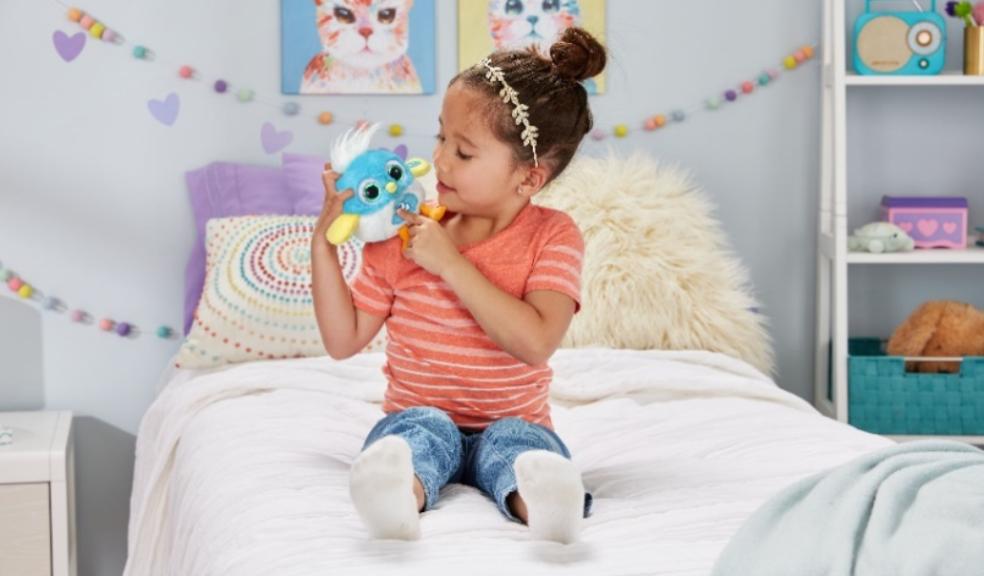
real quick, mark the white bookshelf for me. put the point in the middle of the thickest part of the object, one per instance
(834, 262)
(972, 255)
(949, 78)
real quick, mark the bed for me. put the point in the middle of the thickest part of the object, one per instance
(661, 391)
(243, 470)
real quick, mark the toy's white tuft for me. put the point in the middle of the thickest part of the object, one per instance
(355, 141)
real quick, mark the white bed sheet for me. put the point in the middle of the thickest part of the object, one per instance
(244, 471)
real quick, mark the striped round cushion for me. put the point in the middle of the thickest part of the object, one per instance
(256, 303)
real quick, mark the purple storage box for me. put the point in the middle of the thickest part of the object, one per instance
(933, 222)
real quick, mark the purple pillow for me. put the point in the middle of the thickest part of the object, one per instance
(225, 189)
(302, 175)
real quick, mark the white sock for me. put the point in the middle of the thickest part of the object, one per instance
(551, 487)
(381, 485)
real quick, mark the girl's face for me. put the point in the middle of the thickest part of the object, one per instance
(477, 173)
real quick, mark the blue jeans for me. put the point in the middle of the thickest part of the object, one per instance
(443, 453)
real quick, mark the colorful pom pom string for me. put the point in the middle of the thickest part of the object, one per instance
(746, 88)
(55, 305)
(93, 26)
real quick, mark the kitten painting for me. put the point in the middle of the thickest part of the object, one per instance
(517, 24)
(364, 47)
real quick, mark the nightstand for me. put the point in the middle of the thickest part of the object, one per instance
(37, 495)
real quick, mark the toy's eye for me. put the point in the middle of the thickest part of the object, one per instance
(394, 170)
(369, 191)
(514, 7)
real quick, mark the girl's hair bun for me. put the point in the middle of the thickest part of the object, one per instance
(576, 55)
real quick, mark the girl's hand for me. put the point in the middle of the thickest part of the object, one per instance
(430, 245)
(333, 203)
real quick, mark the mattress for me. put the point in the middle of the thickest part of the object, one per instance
(244, 470)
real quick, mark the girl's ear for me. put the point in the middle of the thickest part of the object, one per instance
(536, 178)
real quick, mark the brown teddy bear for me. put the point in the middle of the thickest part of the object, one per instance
(939, 328)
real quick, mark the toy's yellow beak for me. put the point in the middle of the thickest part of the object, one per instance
(418, 167)
(391, 187)
(342, 229)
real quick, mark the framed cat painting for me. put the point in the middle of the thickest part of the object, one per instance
(357, 46)
(487, 25)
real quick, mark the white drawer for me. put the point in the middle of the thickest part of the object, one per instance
(25, 530)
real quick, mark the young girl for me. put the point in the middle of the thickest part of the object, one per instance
(475, 305)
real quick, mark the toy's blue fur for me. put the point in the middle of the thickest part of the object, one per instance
(372, 168)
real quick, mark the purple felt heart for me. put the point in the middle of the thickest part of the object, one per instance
(274, 141)
(166, 110)
(68, 47)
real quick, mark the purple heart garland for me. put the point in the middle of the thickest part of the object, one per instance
(274, 141)
(166, 110)
(68, 47)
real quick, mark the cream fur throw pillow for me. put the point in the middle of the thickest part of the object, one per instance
(658, 270)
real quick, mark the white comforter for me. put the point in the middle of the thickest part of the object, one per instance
(244, 471)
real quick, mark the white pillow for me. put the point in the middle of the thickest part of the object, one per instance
(658, 271)
(256, 303)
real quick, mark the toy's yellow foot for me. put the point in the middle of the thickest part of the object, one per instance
(405, 235)
(342, 228)
(433, 211)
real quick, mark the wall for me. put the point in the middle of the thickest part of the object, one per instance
(93, 204)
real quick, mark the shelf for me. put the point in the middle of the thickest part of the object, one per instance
(976, 440)
(947, 78)
(972, 255)
(841, 86)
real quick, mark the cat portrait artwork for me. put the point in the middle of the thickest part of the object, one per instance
(358, 46)
(486, 25)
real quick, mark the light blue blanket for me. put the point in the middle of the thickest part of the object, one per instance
(913, 509)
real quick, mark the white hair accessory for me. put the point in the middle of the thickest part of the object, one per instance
(520, 112)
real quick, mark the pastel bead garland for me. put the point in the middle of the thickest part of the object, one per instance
(291, 108)
(25, 290)
(620, 130)
(94, 27)
(746, 88)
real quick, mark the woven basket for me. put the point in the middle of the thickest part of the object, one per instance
(885, 399)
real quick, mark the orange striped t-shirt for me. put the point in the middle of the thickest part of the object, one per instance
(437, 355)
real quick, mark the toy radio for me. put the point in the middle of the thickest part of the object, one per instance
(899, 42)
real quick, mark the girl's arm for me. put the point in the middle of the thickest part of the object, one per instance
(345, 330)
(530, 329)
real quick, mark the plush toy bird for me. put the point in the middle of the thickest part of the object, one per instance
(382, 182)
